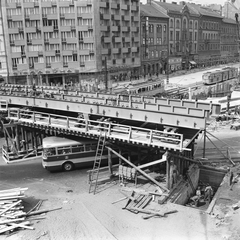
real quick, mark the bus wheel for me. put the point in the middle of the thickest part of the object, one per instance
(68, 166)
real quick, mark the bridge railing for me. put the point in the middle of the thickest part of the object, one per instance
(113, 130)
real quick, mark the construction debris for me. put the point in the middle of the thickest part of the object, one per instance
(12, 216)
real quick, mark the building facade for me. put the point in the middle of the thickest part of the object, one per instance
(51, 42)
(154, 40)
(229, 44)
(183, 34)
(3, 58)
(209, 51)
(119, 39)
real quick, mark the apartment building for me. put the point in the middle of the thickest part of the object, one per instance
(209, 35)
(3, 58)
(51, 42)
(229, 44)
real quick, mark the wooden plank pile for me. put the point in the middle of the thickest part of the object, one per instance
(139, 200)
(12, 215)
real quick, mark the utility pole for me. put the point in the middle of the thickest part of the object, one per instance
(106, 74)
(167, 66)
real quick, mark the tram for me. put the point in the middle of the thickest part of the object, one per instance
(220, 75)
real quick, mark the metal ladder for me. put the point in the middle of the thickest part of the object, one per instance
(93, 177)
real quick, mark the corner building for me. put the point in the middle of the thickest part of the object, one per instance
(51, 42)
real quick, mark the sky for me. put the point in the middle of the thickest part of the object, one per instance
(195, 1)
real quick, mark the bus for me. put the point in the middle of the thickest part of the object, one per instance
(67, 154)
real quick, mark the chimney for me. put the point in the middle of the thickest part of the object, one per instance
(149, 2)
(182, 3)
(174, 3)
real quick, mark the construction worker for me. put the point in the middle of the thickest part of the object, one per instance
(197, 197)
(208, 193)
(173, 174)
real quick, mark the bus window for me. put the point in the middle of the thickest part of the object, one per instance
(49, 151)
(94, 146)
(64, 150)
(88, 147)
(78, 148)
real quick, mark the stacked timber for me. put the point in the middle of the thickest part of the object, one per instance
(12, 215)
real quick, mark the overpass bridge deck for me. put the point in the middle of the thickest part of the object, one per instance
(92, 129)
(181, 113)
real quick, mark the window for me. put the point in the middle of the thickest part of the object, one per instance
(191, 24)
(177, 24)
(0, 65)
(171, 23)
(171, 35)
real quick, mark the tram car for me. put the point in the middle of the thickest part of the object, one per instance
(220, 75)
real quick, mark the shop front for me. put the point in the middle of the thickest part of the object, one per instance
(175, 64)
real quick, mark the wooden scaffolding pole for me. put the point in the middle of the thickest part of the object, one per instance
(138, 169)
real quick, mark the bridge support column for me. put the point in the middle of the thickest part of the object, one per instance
(28, 79)
(63, 80)
(110, 163)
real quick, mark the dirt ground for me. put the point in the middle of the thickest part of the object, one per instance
(87, 216)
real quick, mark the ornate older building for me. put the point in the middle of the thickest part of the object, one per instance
(183, 34)
(154, 40)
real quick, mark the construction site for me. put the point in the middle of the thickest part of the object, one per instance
(177, 165)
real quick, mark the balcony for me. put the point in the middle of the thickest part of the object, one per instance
(17, 18)
(134, 8)
(64, 40)
(62, 15)
(20, 29)
(125, 7)
(46, 41)
(29, 42)
(91, 51)
(40, 53)
(48, 65)
(57, 52)
(82, 64)
(114, 5)
(125, 29)
(105, 28)
(44, 15)
(80, 40)
(65, 64)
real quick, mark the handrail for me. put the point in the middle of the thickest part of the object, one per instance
(113, 130)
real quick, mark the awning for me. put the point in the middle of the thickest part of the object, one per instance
(192, 62)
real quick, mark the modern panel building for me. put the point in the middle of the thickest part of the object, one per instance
(3, 58)
(51, 42)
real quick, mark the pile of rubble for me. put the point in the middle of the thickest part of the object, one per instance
(12, 214)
